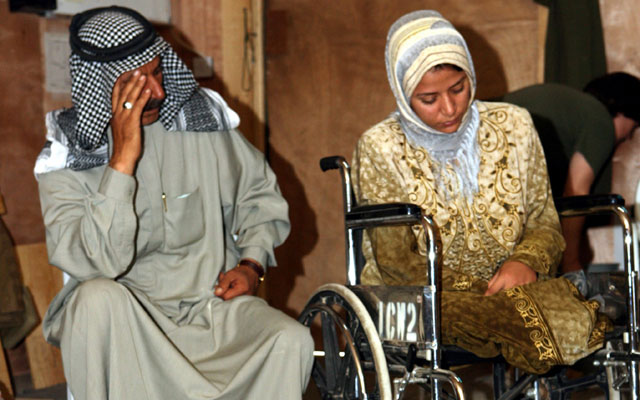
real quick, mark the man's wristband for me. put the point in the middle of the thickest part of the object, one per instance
(254, 266)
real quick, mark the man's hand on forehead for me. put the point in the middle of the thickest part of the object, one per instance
(130, 88)
(152, 71)
(127, 104)
(126, 76)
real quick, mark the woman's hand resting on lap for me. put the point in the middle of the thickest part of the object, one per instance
(510, 274)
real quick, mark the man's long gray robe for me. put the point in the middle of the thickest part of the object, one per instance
(144, 323)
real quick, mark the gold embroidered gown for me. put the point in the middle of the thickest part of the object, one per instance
(512, 217)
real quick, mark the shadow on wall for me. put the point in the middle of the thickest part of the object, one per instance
(302, 239)
(490, 76)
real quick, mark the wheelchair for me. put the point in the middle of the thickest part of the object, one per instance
(378, 340)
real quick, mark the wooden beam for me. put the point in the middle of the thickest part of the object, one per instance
(216, 29)
(243, 64)
(44, 282)
(543, 21)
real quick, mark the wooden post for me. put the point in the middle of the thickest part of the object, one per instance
(543, 20)
(243, 64)
(217, 29)
(5, 379)
(44, 282)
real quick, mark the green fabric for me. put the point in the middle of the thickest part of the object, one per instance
(569, 121)
(574, 50)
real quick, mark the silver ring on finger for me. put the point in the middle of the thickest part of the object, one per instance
(127, 105)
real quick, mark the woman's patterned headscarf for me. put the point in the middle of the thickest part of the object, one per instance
(417, 42)
(105, 43)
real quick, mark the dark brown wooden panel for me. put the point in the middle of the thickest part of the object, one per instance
(21, 123)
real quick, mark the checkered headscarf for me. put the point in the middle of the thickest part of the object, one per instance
(105, 43)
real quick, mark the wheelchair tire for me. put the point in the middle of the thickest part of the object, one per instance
(353, 365)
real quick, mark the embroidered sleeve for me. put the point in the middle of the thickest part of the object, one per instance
(542, 244)
(390, 252)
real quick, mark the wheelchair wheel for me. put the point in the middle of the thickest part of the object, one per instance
(351, 363)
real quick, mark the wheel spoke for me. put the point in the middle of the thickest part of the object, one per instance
(318, 375)
(347, 374)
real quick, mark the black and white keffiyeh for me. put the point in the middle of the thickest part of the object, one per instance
(105, 43)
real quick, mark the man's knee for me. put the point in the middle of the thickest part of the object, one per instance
(295, 335)
(99, 297)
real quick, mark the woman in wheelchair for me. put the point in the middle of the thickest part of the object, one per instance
(479, 170)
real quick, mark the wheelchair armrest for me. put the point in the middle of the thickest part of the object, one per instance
(580, 205)
(383, 215)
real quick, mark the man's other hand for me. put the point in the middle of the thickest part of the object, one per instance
(237, 282)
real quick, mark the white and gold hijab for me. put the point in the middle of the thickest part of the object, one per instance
(417, 42)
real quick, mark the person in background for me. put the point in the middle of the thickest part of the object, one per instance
(579, 131)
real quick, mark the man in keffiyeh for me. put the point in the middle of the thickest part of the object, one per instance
(479, 170)
(165, 218)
